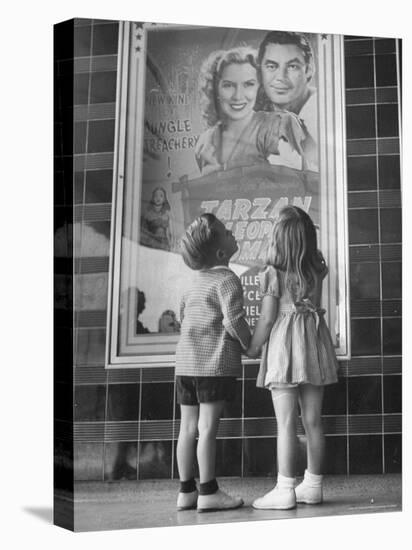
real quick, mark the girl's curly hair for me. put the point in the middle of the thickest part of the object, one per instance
(210, 74)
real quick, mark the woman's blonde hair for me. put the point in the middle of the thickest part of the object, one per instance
(211, 73)
(293, 249)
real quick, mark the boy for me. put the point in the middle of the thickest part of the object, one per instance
(208, 358)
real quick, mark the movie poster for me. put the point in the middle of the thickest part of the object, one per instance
(229, 121)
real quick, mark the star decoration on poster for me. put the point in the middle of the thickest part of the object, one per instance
(139, 27)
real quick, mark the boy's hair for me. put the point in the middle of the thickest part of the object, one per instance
(199, 244)
(293, 248)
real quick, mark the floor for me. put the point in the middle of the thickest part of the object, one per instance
(130, 505)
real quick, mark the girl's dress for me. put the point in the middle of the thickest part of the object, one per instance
(300, 348)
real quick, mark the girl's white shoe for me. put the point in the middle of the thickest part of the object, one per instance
(310, 490)
(279, 498)
(308, 495)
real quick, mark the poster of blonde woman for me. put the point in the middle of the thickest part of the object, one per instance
(234, 122)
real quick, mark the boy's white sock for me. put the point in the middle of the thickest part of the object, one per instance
(312, 480)
(284, 482)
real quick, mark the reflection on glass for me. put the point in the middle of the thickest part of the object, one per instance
(141, 304)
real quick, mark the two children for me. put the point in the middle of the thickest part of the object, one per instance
(298, 358)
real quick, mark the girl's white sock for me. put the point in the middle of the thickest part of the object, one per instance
(285, 482)
(312, 480)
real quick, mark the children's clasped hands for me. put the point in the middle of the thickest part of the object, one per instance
(268, 314)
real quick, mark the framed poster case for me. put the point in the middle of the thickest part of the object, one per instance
(163, 179)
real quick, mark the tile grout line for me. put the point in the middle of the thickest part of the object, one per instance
(379, 259)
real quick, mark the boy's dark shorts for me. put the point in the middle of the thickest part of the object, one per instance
(192, 390)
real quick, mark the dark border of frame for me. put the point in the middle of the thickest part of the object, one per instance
(63, 483)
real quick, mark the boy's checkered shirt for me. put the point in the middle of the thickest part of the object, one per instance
(214, 329)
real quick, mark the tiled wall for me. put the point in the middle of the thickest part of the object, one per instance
(126, 421)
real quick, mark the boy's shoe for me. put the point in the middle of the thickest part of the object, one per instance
(308, 495)
(218, 501)
(277, 499)
(187, 501)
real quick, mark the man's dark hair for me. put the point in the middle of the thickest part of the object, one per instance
(285, 37)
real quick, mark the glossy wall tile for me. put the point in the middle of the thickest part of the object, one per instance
(364, 281)
(88, 460)
(392, 336)
(103, 87)
(386, 74)
(155, 459)
(82, 42)
(258, 401)
(360, 122)
(391, 280)
(336, 451)
(120, 461)
(393, 453)
(335, 398)
(364, 395)
(89, 403)
(359, 71)
(259, 455)
(157, 401)
(123, 402)
(99, 185)
(392, 394)
(365, 454)
(229, 457)
(363, 226)
(105, 38)
(366, 336)
(362, 173)
(388, 121)
(100, 136)
(389, 172)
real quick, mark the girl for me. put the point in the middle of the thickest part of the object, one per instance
(208, 358)
(298, 357)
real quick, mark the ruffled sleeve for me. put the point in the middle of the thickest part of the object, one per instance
(267, 139)
(279, 125)
(269, 282)
(292, 131)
